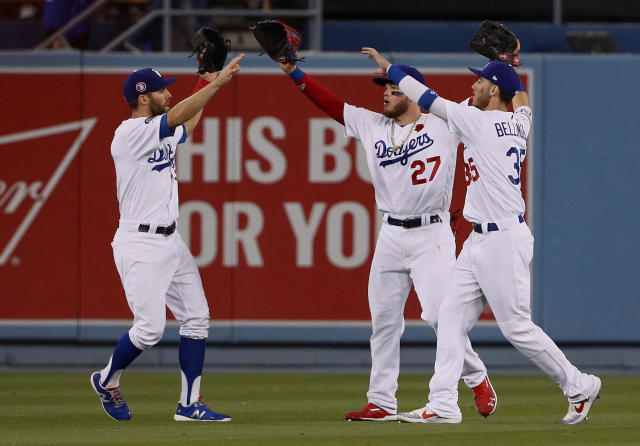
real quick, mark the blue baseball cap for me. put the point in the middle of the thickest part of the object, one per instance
(500, 74)
(144, 81)
(405, 69)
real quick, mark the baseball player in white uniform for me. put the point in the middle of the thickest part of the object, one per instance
(411, 157)
(155, 266)
(494, 263)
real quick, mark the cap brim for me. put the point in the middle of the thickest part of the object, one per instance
(475, 71)
(382, 81)
(169, 80)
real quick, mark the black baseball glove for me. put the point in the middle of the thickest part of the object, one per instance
(210, 49)
(497, 42)
(279, 40)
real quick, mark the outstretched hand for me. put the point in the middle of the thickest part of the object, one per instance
(288, 67)
(372, 53)
(227, 72)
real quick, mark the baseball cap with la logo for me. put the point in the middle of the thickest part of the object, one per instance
(501, 74)
(144, 81)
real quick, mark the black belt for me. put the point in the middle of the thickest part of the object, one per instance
(492, 226)
(164, 230)
(412, 222)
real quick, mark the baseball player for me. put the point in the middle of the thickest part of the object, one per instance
(411, 157)
(494, 263)
(155, 266)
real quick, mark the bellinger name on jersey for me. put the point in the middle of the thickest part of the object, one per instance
(510, 129)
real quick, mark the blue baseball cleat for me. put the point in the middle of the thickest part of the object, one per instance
(198, 411)
(111, 399)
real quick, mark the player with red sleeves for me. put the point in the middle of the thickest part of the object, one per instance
(411, 157)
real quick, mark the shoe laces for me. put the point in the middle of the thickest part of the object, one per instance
(116, 397)
(201, 403)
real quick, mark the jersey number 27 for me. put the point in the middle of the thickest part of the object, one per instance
(420, 167)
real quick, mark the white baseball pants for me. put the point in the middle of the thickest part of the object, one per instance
(424, 256)
(494, 267)
(158, 271)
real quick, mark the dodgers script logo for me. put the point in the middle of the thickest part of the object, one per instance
(415, 145)
(163, 158)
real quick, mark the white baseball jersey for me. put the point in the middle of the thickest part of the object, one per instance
(143, 151)
(495, 148)
(415, 180)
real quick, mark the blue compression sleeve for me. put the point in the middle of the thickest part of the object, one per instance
(521, 88)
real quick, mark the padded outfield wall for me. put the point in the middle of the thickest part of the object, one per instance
(277, 205)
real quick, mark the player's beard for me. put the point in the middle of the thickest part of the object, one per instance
(481, 101)
(156, 107)
(399, 109)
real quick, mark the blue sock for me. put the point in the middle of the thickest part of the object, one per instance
(123, 355)
(191, 353)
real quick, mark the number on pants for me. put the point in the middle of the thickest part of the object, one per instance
(520, 154)
(420, 168)
(470, 171)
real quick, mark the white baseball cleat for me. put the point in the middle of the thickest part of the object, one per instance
(578, 411)
(425, 415)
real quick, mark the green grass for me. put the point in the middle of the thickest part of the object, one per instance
(303, 409)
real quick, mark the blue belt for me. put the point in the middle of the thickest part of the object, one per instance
(492, 226)
(412, 222)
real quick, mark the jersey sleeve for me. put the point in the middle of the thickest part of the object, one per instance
(524, 117)
(464, 120)
(357, 121)
(140, 136)
(179, 134)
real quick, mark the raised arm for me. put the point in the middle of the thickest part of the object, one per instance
(205, 79)
(188, 108)
(320, 95)
(421, 94)
(521, 99)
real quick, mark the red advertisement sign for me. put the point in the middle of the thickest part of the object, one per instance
(276, 204)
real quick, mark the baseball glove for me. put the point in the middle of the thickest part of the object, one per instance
(279, 40)
(210, 49)
(497, 42)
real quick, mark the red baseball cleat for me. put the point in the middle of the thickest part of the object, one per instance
(486, 398)
(371, 412)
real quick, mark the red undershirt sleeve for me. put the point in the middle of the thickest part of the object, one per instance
(319, 95)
